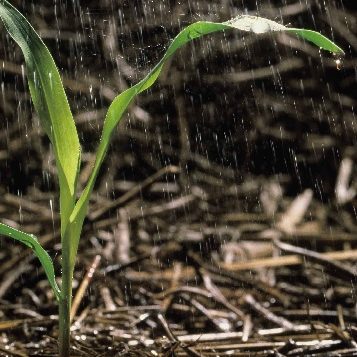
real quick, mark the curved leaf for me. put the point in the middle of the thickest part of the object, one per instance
(31, 241)
(260, 25)
(319, 40)
(50, 101)
(121, 102)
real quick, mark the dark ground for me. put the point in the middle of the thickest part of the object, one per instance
(224, 220)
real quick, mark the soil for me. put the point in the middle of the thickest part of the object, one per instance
(224, 218)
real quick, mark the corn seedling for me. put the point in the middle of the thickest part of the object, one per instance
(56, 119)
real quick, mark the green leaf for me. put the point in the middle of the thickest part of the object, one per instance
(260, 25)
(120, 104)
(319, 40)
(31, 241)
(51, 103)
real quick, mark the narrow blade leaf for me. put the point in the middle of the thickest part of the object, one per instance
(31, 241)
(50, 101)
(121, 102)
(319, 40)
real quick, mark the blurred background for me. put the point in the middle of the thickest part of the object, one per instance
(209, 161)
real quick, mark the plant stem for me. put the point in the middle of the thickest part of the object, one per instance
(65, 301)
(65, 310)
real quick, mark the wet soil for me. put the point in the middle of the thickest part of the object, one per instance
(224, 218)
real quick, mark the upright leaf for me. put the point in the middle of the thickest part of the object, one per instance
(50, 102)
(121, 102)
(31, 241)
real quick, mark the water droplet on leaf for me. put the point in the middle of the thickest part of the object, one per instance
(260, 26)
